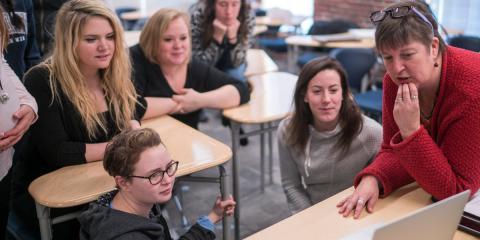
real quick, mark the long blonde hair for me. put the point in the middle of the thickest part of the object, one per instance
(65, 73)
(3, 33)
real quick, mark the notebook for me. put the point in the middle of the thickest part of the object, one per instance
(470, 221)
(436, 221)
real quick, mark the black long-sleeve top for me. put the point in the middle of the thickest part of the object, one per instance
(58, 138)
(151, 82)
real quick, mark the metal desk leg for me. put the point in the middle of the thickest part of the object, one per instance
(45, 223)
(262, 159)
(225, 190)
(292, 55)
(235, 128)
(270, 152)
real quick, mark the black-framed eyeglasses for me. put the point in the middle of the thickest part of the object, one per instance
(398, 12)
(157, 177)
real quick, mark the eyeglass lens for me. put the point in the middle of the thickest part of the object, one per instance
(157, 177)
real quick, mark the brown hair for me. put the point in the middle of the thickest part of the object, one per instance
(350, 119)
(207, 23)
(124, 151)
(396, 32)
(156, 27)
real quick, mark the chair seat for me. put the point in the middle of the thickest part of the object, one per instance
(370, 101)
(306, 57)
(275, 44)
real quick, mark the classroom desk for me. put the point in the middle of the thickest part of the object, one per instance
(270, 101)
(365, 40)
(294, 21)
(323, 221)
(132, 37)
(258, 62)
(81, 184)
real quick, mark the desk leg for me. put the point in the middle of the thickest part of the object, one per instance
(45, 223)
(225, 191)
(292, 55)
(270, 151)
(262, 159)
(235, 128)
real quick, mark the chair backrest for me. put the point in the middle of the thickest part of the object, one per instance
(471, 43)
(357, 62)
(331, 27)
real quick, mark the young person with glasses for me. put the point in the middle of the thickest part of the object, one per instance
(431, 118)
(144, 174)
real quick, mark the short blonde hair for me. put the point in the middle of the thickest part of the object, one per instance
(156, 26)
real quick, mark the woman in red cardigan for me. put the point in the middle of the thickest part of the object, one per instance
(431, 118)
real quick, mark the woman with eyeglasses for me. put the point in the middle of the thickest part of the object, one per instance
(144, 174)
(431, 118)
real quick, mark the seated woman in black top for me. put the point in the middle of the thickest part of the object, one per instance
(85, 96)
(169, 81)
(144, 173)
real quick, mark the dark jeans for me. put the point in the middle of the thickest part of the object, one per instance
(5, 184)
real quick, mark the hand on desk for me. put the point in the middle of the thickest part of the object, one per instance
(365, 195)
(222, 207)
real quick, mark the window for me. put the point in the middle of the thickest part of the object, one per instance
(460, 15)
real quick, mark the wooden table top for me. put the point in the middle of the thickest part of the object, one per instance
(79, 184)
(258, 62)
(324, 216)
(309, 41)
(269, 21)
(270, 100)
(132, 37)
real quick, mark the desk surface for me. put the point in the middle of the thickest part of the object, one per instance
(324, 219)
(79, 184)
(270, 100)
(309, 41)
(258, 62)
(269, 21)
(132, 37)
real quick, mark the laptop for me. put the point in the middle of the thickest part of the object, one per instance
(436, 221)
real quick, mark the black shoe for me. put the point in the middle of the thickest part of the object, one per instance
(244, 140)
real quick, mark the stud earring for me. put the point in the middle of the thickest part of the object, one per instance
(435, 65)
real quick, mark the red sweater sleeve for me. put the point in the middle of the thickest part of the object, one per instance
(446, 161)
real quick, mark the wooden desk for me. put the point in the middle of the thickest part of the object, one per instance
(324, 219)
(136, 15)
(270, 101)
(275, 22)
(365, 40)
(258, 62)
(132, 37)
(80, 184)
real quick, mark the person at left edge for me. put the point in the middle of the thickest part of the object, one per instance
(85, 97)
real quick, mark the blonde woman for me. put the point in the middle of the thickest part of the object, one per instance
(85, 97)
(17, 112)
(171, 83)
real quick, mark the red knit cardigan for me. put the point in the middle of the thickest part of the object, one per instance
(446, 161)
